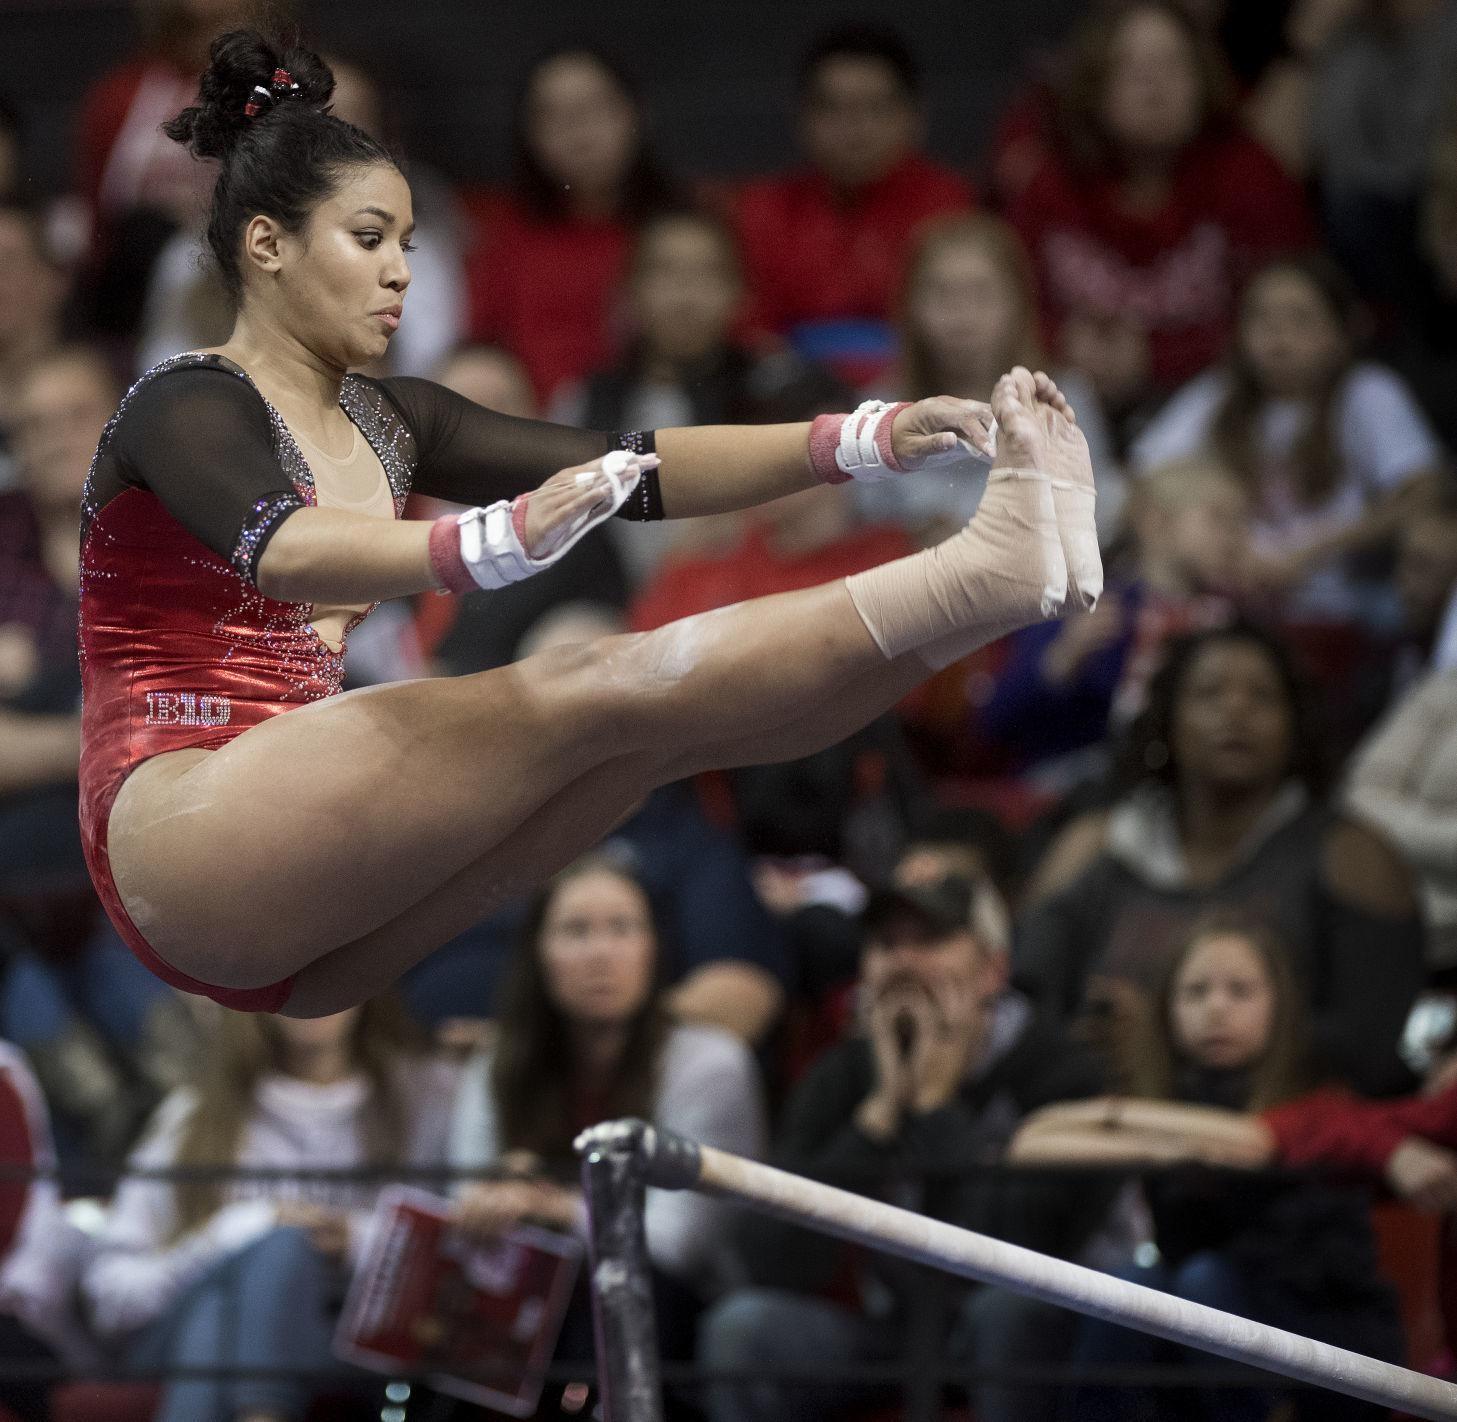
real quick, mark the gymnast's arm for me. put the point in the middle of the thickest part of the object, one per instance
(475, 456)
(201, 441)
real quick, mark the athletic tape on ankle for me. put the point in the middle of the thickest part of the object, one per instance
(857, 445)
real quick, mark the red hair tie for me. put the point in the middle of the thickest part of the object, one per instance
(280, 86)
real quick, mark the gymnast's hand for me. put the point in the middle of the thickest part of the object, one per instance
(572, 498)
(942, 430)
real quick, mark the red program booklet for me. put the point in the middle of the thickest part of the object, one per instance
(482, 1319)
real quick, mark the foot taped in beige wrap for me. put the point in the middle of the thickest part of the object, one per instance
(1032, 540)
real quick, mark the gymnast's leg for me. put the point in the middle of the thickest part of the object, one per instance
(321, 826)
(565, 827)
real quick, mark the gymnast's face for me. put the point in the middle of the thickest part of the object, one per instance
(1223, 1003)
(597, 948)
(338, 287)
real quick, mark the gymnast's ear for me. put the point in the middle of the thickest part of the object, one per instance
(263, 241)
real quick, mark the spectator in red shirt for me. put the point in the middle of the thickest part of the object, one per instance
(548, 257)
(138, 186)
(825, 244)
(792, 543)
(1143, 226)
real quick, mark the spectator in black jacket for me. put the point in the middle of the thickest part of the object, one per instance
(1221, 804)
(911, 1109)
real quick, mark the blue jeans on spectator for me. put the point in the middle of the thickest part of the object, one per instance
(769, 1330)
(104, 983)
(269, 1306)
(1209, 1278)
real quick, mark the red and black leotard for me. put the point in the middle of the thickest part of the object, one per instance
(193, 475)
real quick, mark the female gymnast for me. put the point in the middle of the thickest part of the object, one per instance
(242, 515)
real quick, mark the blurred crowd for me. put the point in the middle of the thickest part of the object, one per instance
(1132, 938)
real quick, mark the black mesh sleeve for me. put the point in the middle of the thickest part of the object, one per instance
(472, 455)
(200, 439)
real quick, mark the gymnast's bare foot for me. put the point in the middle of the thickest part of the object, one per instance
(1037, 430)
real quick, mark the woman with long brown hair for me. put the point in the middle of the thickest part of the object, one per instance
(1225, 1029)
(968, 310)
(1333, 450)
(583, 1035)
(1154, 204)
(238, 1273)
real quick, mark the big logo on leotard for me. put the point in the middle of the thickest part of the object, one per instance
(187, 708)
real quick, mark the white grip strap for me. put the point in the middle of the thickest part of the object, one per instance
(857, 454)
(492, 550)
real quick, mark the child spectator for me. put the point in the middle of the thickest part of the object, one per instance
(239, 1273)
(1188, 527)
(825, 244)
(1222, 804)
(967, 312)
(1409, 1143)
(1224, 1030)
(945, 1065)
(583, 1035)
(548, 257)
(1154, 206)
(1334, 452)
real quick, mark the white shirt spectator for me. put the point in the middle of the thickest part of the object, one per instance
(708, 1090)
(39, 1273)
(140, 1269)
(1404, 781)
(1383, 437)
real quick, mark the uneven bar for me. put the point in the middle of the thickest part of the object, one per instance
(673, 1163)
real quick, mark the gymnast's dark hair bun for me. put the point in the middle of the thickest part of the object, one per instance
(239, 63)
(279, 160)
